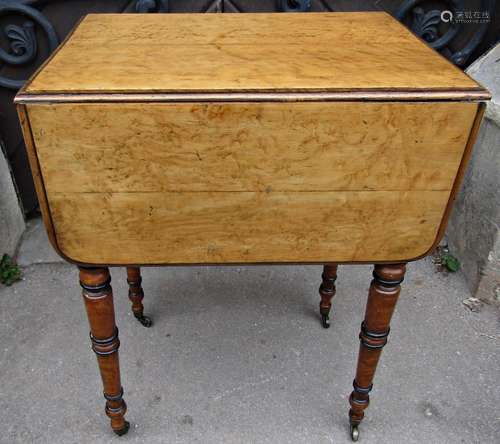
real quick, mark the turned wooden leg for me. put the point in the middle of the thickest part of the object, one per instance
(327, 292)
(136, 295)
(382, 298)
(98, 298)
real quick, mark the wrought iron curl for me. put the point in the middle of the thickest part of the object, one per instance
(22, 44)
(426, 25)
(22, 39)
(295, 5)
(151, 6)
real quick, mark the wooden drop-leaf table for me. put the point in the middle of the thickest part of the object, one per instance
(247, 138)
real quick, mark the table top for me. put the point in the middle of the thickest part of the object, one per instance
(355, 53)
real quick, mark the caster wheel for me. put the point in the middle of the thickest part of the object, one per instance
(354, 433)
(144, 320)
(124, 430)
(325, 320)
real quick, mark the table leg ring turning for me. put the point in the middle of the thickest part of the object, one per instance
(98, 299)
(136, 295)
(327, 291)
(382, 297)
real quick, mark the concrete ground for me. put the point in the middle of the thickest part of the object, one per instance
(237, 355)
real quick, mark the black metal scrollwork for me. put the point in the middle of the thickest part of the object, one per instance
(22, 39)
(22, 44)
(151, 6)
(427, 25)
(295, 5)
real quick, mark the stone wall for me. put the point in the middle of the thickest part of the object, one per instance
(474, 227)
(11, 216)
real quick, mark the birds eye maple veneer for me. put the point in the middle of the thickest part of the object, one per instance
(253, 138)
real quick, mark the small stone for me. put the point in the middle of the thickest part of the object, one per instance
(473, 304)
(497, 293)
(428, 412)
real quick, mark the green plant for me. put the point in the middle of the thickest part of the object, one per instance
(9, 270)
(450, 262)
(444, 260)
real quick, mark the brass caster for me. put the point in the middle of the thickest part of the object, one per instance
(124, 430)
(144, 320)
(354, 433)
(325, 320)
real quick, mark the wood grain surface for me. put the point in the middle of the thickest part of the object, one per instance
(193, 227)
(248, 182)
(245, 52)
(250, 146)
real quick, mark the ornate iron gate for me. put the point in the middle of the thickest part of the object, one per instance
(31, 29)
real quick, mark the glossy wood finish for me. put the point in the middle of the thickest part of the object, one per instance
(98, 298)
(327, 292)
(253, 52)
(236, 227)
(190, 139)
(136, 295)
(382, 297)
(193, 183)
(154, 147)
(37, 175)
